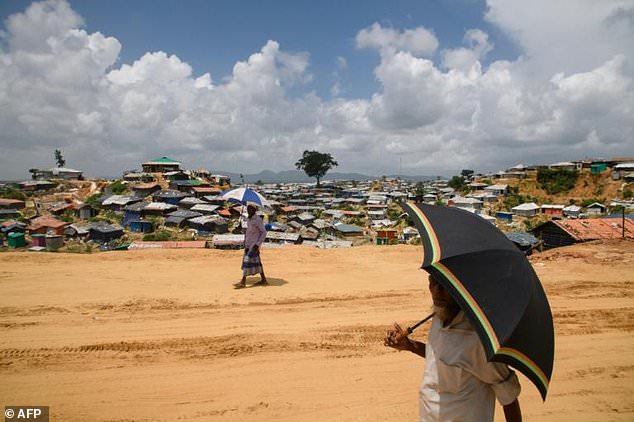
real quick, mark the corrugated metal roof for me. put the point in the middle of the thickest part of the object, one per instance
(348, 228)
(162, 160)
(169, 194)
(522, 238)
(205, 219)
(119, 200)
(159, 206)
(12, 203)
(527, 206)
(228, 239)
(205, 189)
(146, 186)
(184, 214)
(293, 237)
(204, 208)
(596, 228)
(198, 244)
(46, 221)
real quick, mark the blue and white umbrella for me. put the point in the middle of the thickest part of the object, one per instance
(245, 196)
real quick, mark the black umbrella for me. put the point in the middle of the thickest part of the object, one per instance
(493, 283)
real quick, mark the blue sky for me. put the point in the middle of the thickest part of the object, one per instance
(427, 86)
(212, 35)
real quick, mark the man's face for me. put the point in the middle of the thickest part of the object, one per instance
(439, 295)
(251, 211)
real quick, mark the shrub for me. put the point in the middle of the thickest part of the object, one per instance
(514, 199)
(589, 201)
(556, 181)
(68, 216)
(159, 236)
(394, 213)
(92, 199)
(10, 193)
(118, 187)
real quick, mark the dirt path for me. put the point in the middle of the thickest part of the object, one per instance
(161, 335)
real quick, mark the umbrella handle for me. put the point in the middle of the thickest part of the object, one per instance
(411, 329)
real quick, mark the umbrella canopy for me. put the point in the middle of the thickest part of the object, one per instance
(493, 283)
(244, 196)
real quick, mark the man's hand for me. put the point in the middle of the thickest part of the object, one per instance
(396, 338)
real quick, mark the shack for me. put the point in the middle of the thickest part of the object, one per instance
(103, 232)
(283, 238)
(228, 241)
(206, 209)
(85, 211)
(386, 236)
(8, 214)
(567, 232)
(118, 202)
(141, 226)
(528, 209)
(12, 226)
(189, 202)
(524, 241)
(7, 203)
(145, 189)
(179, 218)
(161, 165)
(209, 224)
(159, 209)
(169, 196)
(133, 212)
(46, 224)
(348, 230)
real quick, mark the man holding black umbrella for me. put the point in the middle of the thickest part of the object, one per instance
(459, 384)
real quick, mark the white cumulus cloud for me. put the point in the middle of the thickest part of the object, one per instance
(416, 41)
(568, 95)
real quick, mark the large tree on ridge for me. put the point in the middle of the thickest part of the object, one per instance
(316, 164)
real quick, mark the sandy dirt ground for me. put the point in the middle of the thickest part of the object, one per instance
(162, 335)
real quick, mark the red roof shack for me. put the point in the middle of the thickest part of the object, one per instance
(45, 224)
(567, 232)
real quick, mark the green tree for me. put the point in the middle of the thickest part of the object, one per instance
(59, 158)
(419, 189)
(466, 173)
(316, 164)
(456, 182)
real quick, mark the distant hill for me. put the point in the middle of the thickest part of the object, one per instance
(296, 176)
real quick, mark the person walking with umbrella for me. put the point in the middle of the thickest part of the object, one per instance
(253, 238)
(490, 311)
(459, 384)
(255, 232)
